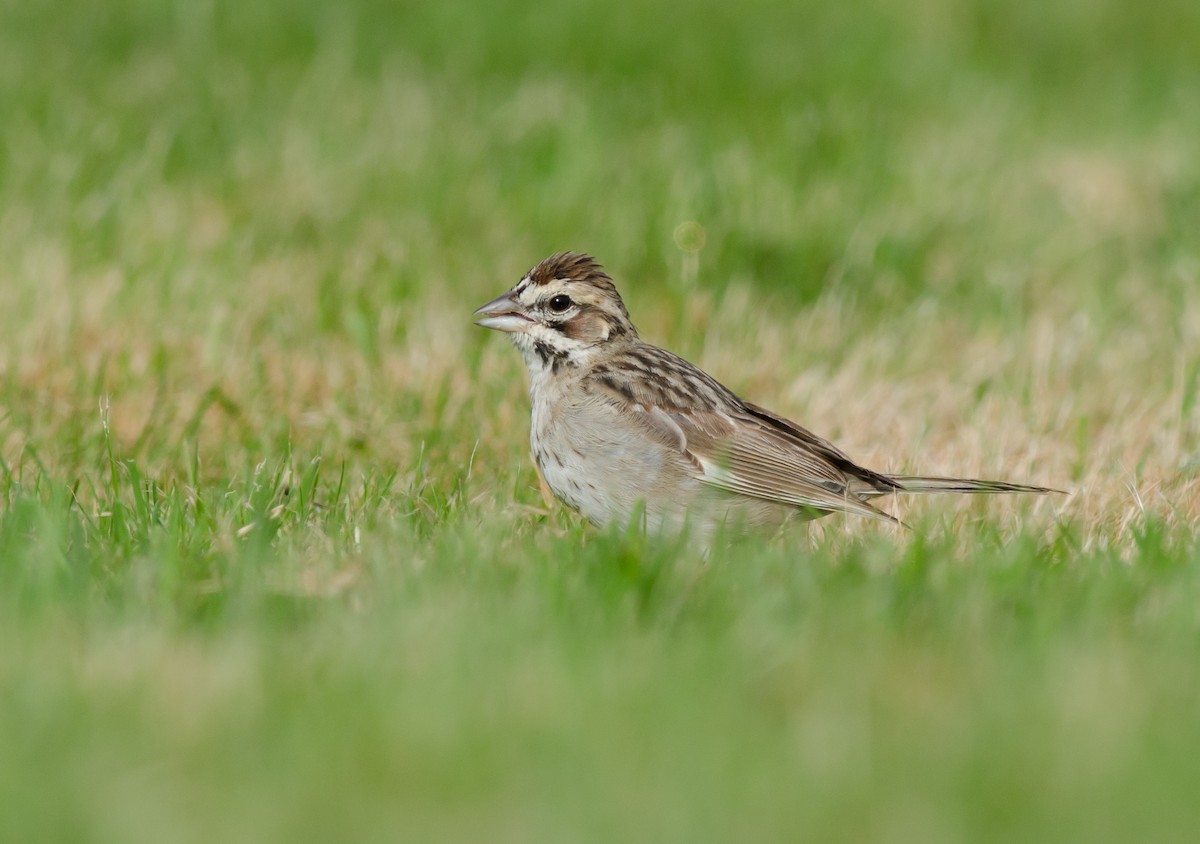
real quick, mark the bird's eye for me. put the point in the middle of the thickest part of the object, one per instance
(560, 303)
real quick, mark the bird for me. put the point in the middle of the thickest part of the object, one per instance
(623, 431)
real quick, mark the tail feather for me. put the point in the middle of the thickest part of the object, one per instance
(918, 484)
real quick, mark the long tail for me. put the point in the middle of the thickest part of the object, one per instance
(915, 483)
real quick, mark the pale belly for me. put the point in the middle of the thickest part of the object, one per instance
(610, 471)
(607, 478)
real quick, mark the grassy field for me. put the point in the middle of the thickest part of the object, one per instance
(273, 562)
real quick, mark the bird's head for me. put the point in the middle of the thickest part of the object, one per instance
(560, 312)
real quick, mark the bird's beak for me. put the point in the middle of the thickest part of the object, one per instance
(504, 313)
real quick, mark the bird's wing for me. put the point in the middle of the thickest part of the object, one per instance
(793, 437)
(743, 449)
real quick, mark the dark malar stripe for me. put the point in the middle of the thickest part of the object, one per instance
(551, 357)
(545, 353)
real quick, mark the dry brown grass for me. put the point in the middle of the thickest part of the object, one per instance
(1067, 400)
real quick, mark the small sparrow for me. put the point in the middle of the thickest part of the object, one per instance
(622, 429)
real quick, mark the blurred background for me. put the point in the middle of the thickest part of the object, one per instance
(211, 199)
(273, 564)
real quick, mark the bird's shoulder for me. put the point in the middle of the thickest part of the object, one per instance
(642, 374)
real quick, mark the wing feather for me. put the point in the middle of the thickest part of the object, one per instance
(747, 451)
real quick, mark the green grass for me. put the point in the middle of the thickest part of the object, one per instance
(273, 564)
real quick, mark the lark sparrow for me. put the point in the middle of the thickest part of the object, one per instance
(622, 429)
